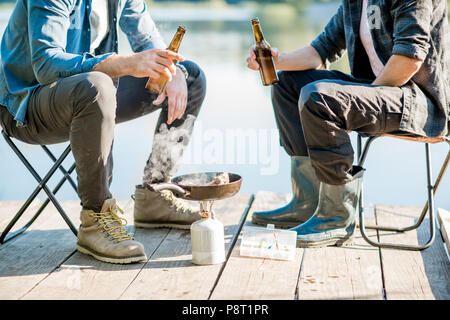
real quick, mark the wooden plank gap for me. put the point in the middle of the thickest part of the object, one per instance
(170, 273)
(241, 224)
(296, 296)
(250, 278)
(84, 277)
(420, 275)
(444, 227)
(34, 255)
(148, 259)
(383, 280)
(43, 279)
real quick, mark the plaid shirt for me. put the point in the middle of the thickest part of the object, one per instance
(413, 28)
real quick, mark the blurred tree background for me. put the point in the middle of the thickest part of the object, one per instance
(299, 5)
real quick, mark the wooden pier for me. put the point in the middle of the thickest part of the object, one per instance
(43, 263)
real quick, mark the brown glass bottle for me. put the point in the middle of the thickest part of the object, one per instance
(158, 85)
(264, 56)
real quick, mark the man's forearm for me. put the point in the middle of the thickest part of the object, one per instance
(398, 71)
(114, 66)
(152, 63)
(305, 58)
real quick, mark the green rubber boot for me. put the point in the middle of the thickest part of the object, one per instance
(334, 220)
(305, 195)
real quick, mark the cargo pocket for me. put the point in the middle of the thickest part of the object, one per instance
(392, 122)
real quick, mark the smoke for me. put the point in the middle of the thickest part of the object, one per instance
(204, 179)
(197, 179)
(167, 151)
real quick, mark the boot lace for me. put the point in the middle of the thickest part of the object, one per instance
(178, 204)
(112, 224)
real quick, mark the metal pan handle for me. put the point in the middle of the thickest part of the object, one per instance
(179, 191)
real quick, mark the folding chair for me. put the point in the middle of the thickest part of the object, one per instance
(429, 206)
(4, 237)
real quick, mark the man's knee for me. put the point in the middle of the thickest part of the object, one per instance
(299, 78)
(285, 77)
(276, 88)
(96, 94)
(289, 86)
(285, 80)
(313, 98)
(279, 90)
(196, 80)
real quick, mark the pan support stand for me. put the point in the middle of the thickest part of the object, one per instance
(206, 210)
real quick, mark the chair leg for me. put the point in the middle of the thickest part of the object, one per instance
(363, 155)
(5, 236)
(359, 146)
(41, 186)
(61, 168)
(429, 207)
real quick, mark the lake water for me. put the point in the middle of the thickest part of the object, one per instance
(236, 130)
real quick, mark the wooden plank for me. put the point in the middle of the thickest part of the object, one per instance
(257, 278)
(444, 224)
(83, 277)
(170, 274)
(343, 272)
(412, 274)
(27, 259)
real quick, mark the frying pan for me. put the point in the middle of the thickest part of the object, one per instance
(184, 187)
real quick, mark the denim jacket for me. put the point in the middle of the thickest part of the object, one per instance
(413, 28)
(50, 39)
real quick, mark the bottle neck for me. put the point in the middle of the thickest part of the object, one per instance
(258, 32)
(176, 41)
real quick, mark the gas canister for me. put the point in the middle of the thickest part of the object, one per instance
(207, 241)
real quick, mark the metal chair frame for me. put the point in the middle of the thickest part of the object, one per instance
(429, 205)
(6, 235)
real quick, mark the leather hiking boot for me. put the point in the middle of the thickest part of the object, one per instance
(333, 222)
(102, 236)
(305, 195)
(161, 209)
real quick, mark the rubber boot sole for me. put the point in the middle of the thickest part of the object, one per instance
(338, 242)
(98, 256)
(280, 225)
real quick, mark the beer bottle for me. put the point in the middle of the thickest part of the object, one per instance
(264, 56)
(159, 84)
